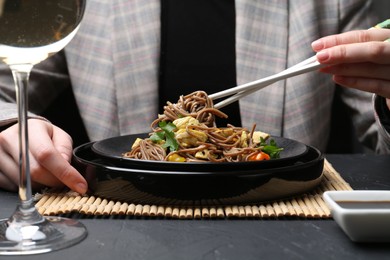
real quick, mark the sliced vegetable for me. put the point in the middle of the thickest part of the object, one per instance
(176, 158)
(260, 156)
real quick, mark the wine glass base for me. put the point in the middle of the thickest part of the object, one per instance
(52, 233)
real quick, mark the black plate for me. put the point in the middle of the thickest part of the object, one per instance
(112, 149)
(174, 187)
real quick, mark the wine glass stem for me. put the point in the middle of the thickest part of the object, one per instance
(21, 74)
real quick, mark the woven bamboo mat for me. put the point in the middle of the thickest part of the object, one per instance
(308, 205)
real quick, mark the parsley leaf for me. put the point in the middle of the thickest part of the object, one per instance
(157, 136)
(166, 135)
(271, 149)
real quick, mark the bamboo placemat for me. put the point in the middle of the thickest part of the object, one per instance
(308, 205)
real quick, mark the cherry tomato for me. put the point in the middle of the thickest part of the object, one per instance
(260, 156)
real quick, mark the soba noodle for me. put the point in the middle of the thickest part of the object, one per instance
(197, 137)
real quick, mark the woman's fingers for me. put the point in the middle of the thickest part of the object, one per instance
(357, 59)
(56, 162)
(50, 150)
(40, 174)
(380, 87)
(7, 184)
(370, 77)
(359, 36)
(362, 70)
(63, 143)
(354, 47)
(374, 52)
(9, 169)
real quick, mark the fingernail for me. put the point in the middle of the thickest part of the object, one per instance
(81, 188)
(317, 45)
(322, 56)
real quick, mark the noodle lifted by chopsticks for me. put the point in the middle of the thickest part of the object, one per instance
(186, 132)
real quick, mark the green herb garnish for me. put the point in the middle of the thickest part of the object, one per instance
(271, 149)
(167, 135)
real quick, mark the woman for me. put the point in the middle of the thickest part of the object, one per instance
(113, 65)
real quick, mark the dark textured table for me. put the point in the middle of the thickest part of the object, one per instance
(138, 238)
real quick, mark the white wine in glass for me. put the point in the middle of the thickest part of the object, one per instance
(30, 32)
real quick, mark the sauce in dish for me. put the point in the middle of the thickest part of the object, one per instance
(353, 204)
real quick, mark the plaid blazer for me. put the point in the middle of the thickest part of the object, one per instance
(113, 67)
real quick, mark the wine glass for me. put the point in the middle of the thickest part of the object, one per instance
(30, 32)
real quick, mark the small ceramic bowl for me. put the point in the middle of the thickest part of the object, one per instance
(364, 215)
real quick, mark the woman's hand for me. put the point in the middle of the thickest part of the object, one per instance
(358, 59)
(50, 156)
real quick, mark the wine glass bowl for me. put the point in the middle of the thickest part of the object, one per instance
(31, 31)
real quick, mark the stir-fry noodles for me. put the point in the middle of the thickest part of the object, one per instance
(186, 132)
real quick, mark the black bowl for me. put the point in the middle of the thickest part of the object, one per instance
(111, 150)
(175, 187)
